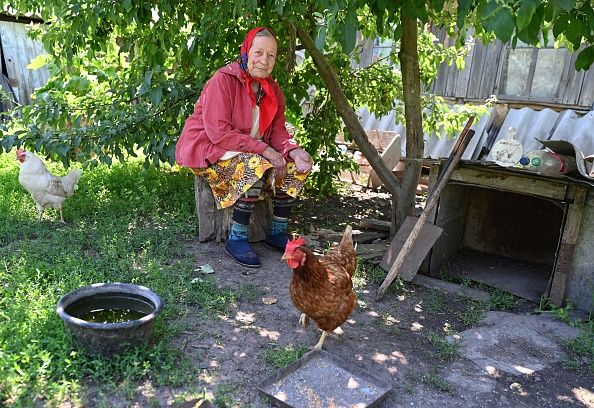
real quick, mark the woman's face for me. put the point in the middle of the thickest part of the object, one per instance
(261, 57)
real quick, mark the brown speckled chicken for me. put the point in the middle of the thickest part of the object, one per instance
(47, 190)
(322, 289)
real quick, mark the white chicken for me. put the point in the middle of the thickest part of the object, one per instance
(47, 190)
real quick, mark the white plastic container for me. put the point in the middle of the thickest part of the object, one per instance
(548, 163)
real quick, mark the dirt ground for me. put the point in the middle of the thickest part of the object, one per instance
(390, 339)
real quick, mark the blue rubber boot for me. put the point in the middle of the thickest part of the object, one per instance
(277, 234)
(242, 253)
(239, 248)
(277, 241)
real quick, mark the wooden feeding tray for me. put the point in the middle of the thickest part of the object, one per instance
(320, 379)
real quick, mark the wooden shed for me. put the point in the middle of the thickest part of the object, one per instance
(525, 75)
(16, 52)
(519, 231)
(541, 241)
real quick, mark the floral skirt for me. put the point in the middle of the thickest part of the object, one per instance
(231, 179)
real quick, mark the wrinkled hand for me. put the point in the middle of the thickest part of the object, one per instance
(278, 161)
(302, 160)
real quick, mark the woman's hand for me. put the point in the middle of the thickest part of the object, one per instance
(302, 160)
(277, 160)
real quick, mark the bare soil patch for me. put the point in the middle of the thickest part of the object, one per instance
(392, 338)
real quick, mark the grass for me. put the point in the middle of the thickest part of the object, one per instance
(129, 225)
(280, 357)
(124, 224)
(446, 350)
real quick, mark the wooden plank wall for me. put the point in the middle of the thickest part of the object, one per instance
(480, 77)
(18, 51)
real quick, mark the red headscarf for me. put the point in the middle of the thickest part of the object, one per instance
(268, 102)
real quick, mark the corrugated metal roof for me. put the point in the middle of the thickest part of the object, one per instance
(530, 124)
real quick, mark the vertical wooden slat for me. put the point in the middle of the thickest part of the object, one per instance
(567, 247)
(479, 66)
(463, 78)
(489, 77)
(586, 97)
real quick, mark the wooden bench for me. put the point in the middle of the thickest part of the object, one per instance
(215, 224)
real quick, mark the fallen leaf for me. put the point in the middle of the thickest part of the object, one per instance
(268, 301)
(205, 269)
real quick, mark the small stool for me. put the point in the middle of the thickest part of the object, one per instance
(215, 224)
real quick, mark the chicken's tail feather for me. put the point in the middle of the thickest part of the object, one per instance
(347, 236)
(69, 181)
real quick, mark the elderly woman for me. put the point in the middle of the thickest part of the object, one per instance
(237, 140)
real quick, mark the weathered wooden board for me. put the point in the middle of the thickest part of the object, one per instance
(567, 247)
(372, 252)
(421, 247)
(18, 51)
(391, 156)
(508, 181)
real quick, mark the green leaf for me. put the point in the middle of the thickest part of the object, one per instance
(398, 32)
(585, 58)
(574, 32)
(531, 34)
(491, 8)
(78, 83)
(62, 150)
(8, 142)
(463, 9)
(525, 13)
(155, 96)
(143, 89)
(321, 38)
(382, 4)
(147, 77)
(502, 24)
(589, 14)
(564, 4)
(38, 62)
(348, 39)
(561, 25)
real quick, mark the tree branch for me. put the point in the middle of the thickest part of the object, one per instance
(348, 114)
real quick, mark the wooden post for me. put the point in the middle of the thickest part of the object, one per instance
(567, 247)
(429, 206)
(215, 224)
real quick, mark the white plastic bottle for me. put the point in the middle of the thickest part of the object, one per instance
(526, 160)
(548, 163)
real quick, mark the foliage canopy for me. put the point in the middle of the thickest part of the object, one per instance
(125, 75)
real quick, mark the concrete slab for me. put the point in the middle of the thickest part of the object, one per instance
(515, 344)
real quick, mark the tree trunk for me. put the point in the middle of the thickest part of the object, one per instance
(411, 84)
(215, 224)
(403, 194)
(351, 120)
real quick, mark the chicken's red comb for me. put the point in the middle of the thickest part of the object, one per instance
(294, 243)
(299, 241)
(20, 151)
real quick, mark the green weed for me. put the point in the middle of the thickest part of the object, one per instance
(432, 379)
(473, 313)
(281, 357)
(367, 273)
(436, 303)
(446, 349)
(501, 300)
